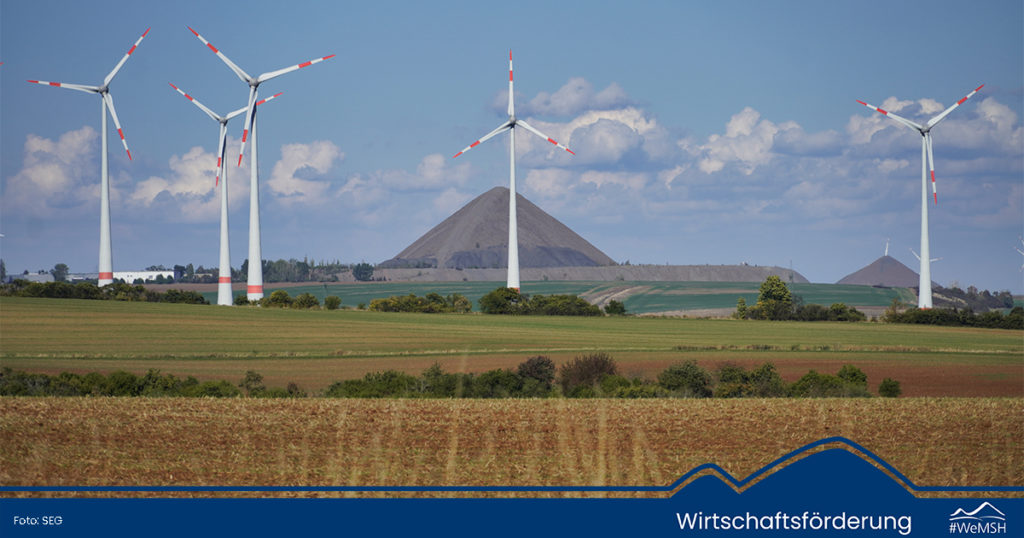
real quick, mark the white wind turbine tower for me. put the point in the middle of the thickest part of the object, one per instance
(106, 264)
(924, 296)
(255, 279)
(510, 126)
(224, 296)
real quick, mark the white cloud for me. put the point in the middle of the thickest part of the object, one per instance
(56, 174)
(626, 180)
(316, 158)
(575, 97)
(747, 142)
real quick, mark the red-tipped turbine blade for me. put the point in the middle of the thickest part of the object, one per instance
(934, 121)
(113, 114)
(900, 119)
(124, 59)
(79, 87)
(272, 74)
(248, 122)
(197, 103)
(231, 65)
(504, 127)
(931, 166)
(544, 136)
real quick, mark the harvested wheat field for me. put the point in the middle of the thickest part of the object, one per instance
(322, 442)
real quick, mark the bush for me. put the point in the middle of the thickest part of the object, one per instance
(610, 384)
(252, 383)
(686, 379)
(853, 375)
(277, 299)
(502, 301)
(540, 369)
(497, 384)
(641, 391)
(213, 389)
(241, 300)
(890, 388)
(585, 371)
(332, 302)
(387, 384)
(615, 308)
(305, 301)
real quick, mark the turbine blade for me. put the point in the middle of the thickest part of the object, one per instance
(113, 114)
(273, 74)
(238, 70)
(542, 135)
(511, 92)
(935, 121)
(124, 59)
(79, 87)
(248, 121)
(258, 103)
(931, 166)
(504, 127)
(197, 103)
(222, 143)
(894, 116)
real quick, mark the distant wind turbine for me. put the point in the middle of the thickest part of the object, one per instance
(1021, 251)
(224, 296)
(510, 126)
(924, 299)
(919, 257)
(255, 279)
(106, 264)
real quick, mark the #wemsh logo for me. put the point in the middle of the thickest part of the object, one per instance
(985, 519)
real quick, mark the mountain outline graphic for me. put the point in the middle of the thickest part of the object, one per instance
(991, 512)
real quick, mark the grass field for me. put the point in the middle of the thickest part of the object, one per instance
(640, 297)
(318, 442)
(316, 348)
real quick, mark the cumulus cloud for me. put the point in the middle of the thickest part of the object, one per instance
(575, 97)
(747, 143)
(298, 160)
(56, 174)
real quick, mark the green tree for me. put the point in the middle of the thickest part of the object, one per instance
(332, 302)
(252, 383)
(502, 301)
(305, 301)
(774, 300)
(60, 272)
(890, 388)
(615, 308)
(741, 309)
(686, 379)
(362, 272)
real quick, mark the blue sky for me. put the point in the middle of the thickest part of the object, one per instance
(721, 132)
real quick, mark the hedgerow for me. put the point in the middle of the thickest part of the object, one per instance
(592, 375)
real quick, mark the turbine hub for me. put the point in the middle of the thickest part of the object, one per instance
(512, 120)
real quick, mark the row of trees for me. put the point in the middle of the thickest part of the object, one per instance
(952, 317)
(775, 302)
(586, 376)
(431, 303)
(510, 301)
(117, 291)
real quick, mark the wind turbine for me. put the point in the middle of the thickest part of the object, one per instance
(924, 296)
(1021, 251)
(510, 126)
(106, 264)
(224, 296)
(919, 257)
(255, 278)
